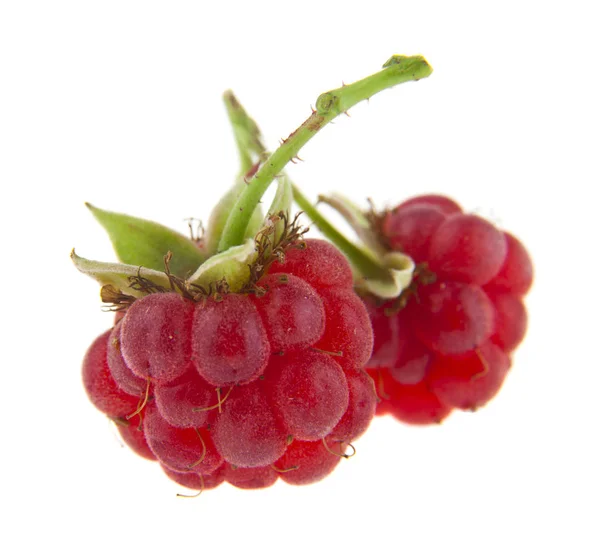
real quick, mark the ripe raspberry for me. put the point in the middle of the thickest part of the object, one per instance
(236, 378)
(443, 344)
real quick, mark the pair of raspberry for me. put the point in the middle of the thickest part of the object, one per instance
(447, 344)
(242, 387)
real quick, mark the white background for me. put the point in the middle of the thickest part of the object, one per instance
(119, 104)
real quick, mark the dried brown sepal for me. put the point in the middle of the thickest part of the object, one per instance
(272, 248)
(375, 219)
(120, 301)
(115, 298)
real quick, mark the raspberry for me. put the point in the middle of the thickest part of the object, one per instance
(237, 377)
(154, 336)
(444, 343)
(99, 384)
(229, 341)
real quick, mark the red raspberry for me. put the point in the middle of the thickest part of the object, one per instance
(239, 379)
(444, 346)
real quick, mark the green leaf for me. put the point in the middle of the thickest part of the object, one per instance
(140, 242)
(117, 274)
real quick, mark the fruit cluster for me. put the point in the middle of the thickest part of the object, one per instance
(446, 342)
(242, 387)
(249, 354)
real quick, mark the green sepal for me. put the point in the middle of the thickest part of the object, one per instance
(118, 275)
(140, 242)
(219, 215)
(233, 265)
(400, 268)
(356, 218)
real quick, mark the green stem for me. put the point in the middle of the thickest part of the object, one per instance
(361, 260)
(329, 105)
